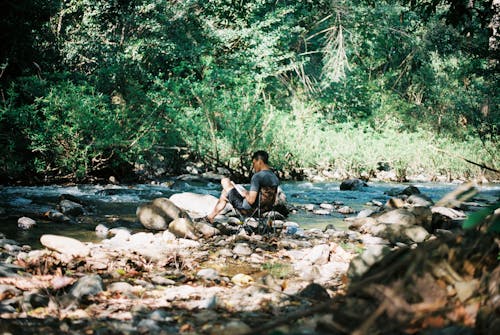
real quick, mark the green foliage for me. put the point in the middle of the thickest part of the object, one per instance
(89, 87)
(488, 216)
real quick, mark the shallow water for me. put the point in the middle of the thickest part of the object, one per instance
(115, 206)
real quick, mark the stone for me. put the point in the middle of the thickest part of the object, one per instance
(159, 213)
(410, 190)
(448, 212)
(25, 222)
(72, 208)
(206, 230)
(465, 289)
(345, 210)
(235, 327)
(121, 286)
(184, 228)
(56, 216)
(419, 200)
(162, 281)
(242, 249)
(362, 263)
(241, 279)
(365, 213)
(416, 234)
(326, 206)
(198, 204)
(352, 185)
(400, 216)
(87, 286)
(101, 230)
(208, 274)
(321, 212)
(309, 207)
(65, 245)
(319, 254)
(314, 291)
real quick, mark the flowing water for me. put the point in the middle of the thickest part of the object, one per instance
(115, 206)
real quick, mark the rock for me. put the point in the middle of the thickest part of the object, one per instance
(397, 216)
(314, 291)
(25, 222)
(309, 207)
(87, 286)
(101, 230)
(148, 326)
(206, 230)
(120, 286)
(321, 212)
(158, 214)
(36, 300)
(183, 227)
(319, 254)
(345, 210)
(419, 200)
(362, 263)
(242, 249)
(198, 204)
(235, 327)
(160, 280)
(56, 216)
(416, 234)
(72, 208)
(365, 213)
(208, 274)
(326, 206)
(352, 185)
(242, 279)
(448, 212)
(465, 289)
(410, 190)
(65, 245)
(394, 203)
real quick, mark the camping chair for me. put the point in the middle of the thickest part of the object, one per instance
(263, 213)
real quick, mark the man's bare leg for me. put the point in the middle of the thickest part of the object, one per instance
(222, 202)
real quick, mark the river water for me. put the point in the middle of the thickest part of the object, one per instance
(115, 205)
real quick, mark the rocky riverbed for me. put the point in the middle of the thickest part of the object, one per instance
(287, 281)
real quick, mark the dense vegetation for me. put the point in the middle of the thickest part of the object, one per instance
(92, 88)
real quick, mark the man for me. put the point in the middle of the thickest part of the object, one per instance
(263, 181)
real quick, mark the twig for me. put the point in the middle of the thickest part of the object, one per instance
(465, 159)
(323, 307)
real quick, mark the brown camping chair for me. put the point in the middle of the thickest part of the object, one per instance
(263, 213)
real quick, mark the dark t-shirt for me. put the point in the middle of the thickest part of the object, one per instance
(264, 178)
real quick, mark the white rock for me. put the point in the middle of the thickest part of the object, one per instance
(25, 222)
(326, 206)
(65, 245)
(319, 254)
(242, 249)
(198, 204)
(208, 274)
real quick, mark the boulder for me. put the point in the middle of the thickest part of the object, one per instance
(25, 222)
(159, 213)
(352, 185)
(419, 200)
(65, 245)
(72, 208)
(87, 286)
(198, 205)
(183, 227)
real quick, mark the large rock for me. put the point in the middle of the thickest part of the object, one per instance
(159, 213)
(72, 208)
(183, 227)
(198, 205)
(65, 245)
(352, 185)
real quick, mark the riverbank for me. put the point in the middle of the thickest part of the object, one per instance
(240, 283)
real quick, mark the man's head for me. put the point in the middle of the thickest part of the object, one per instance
(260, 160)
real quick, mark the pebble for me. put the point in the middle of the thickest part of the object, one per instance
(242, 249)
(208, 274)
(25, 222)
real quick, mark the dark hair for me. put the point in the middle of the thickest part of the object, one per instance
(261, 154)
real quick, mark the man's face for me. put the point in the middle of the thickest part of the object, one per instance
(254, 165)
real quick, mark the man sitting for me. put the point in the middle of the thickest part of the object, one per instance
(263, 181)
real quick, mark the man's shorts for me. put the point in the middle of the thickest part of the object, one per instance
(236, 199)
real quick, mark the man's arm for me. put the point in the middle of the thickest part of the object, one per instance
(251, 197)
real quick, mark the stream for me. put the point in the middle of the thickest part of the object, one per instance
(115, 205)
